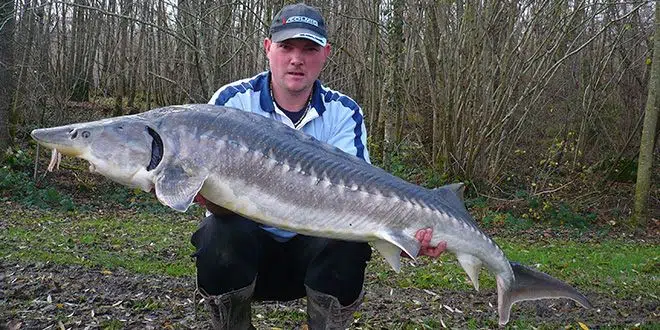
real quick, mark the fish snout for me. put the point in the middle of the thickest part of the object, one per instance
(36, 134)
(60, 134)
(66, 139)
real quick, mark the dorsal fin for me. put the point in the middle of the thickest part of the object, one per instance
(457, 189)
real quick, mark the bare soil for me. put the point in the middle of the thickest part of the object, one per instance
(49, 296)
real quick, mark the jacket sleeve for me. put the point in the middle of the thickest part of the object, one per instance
(350, 134)
(227, 96)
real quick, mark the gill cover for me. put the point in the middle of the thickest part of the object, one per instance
(156, 149)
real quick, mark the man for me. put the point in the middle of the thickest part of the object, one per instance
(238, 260)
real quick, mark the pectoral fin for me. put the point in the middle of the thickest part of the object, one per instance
(177, 188)
(390, 252)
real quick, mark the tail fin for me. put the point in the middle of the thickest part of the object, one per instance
(530, 284)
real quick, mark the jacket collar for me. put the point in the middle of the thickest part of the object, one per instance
(266, 101)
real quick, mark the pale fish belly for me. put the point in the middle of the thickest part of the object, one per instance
(313, 209)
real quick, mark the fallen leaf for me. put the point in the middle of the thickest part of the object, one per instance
(430, 292)
(583, 326)
(14, 325)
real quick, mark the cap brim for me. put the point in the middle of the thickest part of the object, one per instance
(299, 33)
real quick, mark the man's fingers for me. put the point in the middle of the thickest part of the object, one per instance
(424, 236)
(433, 251)
(199, 199)
(428, 234)
(439, 249)
(419, 235)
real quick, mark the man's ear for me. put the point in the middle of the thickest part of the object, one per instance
(327, 49)
(267, 44)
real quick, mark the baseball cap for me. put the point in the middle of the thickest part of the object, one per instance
(298, 21)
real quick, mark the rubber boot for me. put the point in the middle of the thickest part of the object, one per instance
(231, 310)
(324, 312)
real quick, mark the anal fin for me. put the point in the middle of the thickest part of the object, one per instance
(471, 265)
(390, 246)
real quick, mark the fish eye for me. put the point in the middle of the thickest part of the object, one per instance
(85, 134)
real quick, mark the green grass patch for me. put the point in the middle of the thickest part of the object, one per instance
(281, 316)
(139, 242)
(19, 187)
(148, 304)
(623, 269)
(158, 243)
(112, 325)
(71, 189)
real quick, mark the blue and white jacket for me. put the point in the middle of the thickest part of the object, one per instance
(333, 118)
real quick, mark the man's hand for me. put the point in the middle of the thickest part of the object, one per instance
(199, 199)
(424, 237)
(213, 208)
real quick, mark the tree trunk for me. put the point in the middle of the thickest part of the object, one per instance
(6, 68)
(648, 134)
(78, 76)
(393, 101)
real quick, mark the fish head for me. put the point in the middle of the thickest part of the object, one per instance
(124, 149)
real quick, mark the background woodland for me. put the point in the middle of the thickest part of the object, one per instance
(518, 98)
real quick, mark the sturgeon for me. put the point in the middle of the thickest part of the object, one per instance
(278, 176)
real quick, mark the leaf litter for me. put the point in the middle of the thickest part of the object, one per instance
(43, 295)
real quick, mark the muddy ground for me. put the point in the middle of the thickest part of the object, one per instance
(48, 296)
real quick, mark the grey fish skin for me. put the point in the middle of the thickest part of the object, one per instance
(281, 177)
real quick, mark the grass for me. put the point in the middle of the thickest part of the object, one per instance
(159, 244)
(139, 242)
(610, 267)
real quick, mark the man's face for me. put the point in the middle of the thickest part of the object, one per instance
(295, 63)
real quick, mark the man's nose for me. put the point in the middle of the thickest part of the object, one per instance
(297, 57)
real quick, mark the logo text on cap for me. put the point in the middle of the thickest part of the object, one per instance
(302, 19)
